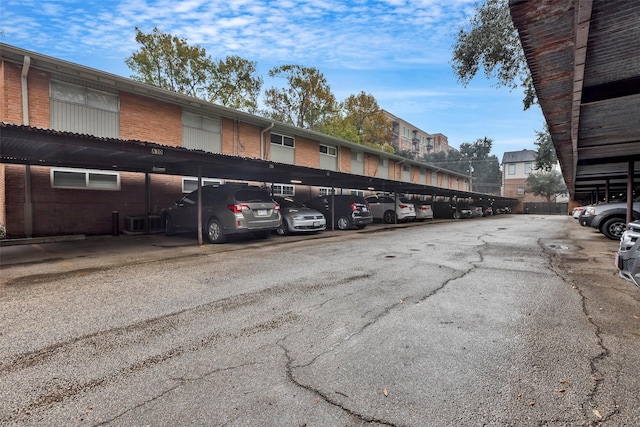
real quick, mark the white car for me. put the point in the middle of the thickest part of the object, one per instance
(388, 209)
(423, 211)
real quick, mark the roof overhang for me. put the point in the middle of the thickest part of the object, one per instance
(585, 63)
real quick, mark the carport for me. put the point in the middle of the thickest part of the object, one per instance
(44, 147)
(584, 58)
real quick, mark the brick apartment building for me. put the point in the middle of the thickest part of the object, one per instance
(413, 139)
(47, 93)
(516, 167)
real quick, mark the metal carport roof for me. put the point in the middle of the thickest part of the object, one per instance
(44, 147)
(584, 58)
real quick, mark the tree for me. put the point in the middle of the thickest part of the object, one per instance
(491, 42)
(546, 157)
(483, 166)
(233, 82)
(306, 102)
(546, 184)
(171, 63)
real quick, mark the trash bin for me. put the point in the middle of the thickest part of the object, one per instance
(115, 223)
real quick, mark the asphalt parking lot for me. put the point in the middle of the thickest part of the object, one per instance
(146, 329)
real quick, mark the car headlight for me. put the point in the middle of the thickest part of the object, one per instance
(589, 212)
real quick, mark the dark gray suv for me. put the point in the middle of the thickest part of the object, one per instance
(226, 209)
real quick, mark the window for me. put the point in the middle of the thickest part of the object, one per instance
(81, 95)
(357, 193)
(511, 169)
(406, 168)
(520, 191)
(201, 132)
(328, 150)
(325, 191)
(383, 162)
(190, 184)
(528, 167)
(81, 109)
(85, 179)
(283, 190)
(285, 141)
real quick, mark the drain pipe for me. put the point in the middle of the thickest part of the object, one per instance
(262, 139)
(28, 204)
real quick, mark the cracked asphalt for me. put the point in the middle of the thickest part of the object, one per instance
(516, 320)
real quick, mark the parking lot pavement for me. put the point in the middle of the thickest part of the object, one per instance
(21, 259)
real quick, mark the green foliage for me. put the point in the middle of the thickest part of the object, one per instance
(490, 41)
(305, 102)
(233, 82)
(171, 63)
(546, 184)
(472, 159)
(546, 157)
(168, 62)
(359, 119)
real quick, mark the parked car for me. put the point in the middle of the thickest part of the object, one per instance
(349, 210)
(465, 210)
(609, 218)
(628, 255)
(297, 218)
(388, 209)
(487, 211)
(423, 210)
(226, 209)
(577, 211)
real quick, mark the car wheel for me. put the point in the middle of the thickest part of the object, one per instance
(613, 228)
(214, 232)
(457, 215)
(343, 223)
(389, 217)
(263, 234)
(283, 229)
(169, 229)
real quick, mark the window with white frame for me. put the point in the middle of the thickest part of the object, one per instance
(357, 193)
(328, 150)
(190, 183)
(406, 168)
(528, 167)
(325, 191)
(285, 141)
(283, 190)
(520, 191)
(511, 169)
(84, 179)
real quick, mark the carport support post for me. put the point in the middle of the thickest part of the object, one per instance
(395, 204)
(199, 206)
(630, 192)
(147, 200)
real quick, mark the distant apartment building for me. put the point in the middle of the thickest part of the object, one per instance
(409, 138)
(516, 168)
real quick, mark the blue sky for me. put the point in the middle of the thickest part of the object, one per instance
(399, 51)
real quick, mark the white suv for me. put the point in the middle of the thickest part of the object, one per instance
(387, 209)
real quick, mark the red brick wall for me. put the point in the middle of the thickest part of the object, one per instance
(11, 89)
(146, 119)
(345, 159)
(71, 211)
(241, 139)
(307, 153)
